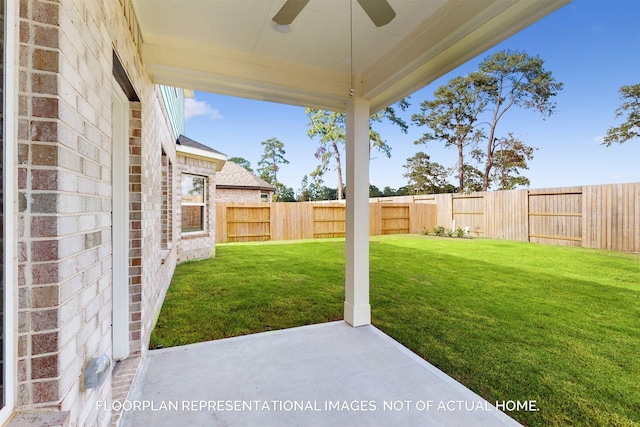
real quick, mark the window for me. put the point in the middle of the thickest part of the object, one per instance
(166, 210)
(264, 197)
(193, 203)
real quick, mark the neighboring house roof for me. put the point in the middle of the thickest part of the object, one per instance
(190, 148)
(234, 176)
(188, 142)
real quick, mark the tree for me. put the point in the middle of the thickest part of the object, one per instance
(241, 161)
(304, 193)
(474, 179)
(389, 113)
(285, 194)
(374, 191)
(326, 193)
(452, 115)
(269, 164)
(331, 129)
(425, 176)
(314, 190)
(406, 190)
(316, 186)
(388, 191)
(507, 79)
(511, 156)
(630, 129)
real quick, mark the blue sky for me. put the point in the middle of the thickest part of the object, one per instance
(592, 46)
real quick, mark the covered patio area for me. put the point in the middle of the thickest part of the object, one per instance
(328, 374)
(332, 55)
(328, 55)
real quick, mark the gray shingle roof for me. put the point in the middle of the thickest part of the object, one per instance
(188, 142)
(235, 176)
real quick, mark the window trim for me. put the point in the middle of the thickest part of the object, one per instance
(167, 207)
(202, 204)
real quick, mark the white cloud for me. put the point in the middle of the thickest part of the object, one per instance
(194, 108)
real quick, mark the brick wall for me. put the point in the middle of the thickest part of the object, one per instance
(135, 226)
(238, 195)
(65, 200)
(157, 263)
(197, 245)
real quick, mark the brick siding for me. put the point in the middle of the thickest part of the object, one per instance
(65, 201)
(239, 195)
(197, 245)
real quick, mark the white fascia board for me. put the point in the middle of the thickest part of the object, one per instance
(218, 158)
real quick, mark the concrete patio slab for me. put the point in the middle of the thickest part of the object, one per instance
(320, 375)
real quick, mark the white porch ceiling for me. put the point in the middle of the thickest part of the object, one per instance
(229, 46)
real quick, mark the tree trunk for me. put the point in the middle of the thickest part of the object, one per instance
(490, 147)
(460, 168)
(275, 179)
(339, 170)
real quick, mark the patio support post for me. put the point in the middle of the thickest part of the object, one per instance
(357, 311)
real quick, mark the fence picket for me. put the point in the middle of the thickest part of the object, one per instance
(596, 216)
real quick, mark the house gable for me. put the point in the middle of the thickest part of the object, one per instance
(236, 184)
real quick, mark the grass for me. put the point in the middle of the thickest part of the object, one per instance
(510, 320)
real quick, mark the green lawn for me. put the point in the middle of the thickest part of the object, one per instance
(510, 320)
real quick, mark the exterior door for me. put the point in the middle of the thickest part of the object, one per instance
(120, 223)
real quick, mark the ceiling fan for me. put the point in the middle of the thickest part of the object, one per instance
(379, 11)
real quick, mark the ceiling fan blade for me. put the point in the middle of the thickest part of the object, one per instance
(289, 11)
(379, 11)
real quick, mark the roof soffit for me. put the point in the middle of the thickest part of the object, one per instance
(229, 47)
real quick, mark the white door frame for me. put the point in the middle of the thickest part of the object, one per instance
(9, 191)
(120, 223)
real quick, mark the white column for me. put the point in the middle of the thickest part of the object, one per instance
(357, 311)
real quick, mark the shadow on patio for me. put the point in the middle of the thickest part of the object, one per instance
(327, 374)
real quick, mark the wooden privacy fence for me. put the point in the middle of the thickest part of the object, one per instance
(595, 216)
(246, 222)
(599, 216)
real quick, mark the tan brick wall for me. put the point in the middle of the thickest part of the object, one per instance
(157, 265)
(193, 246)
(236, 195)
(135, 226)
(65, 199)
